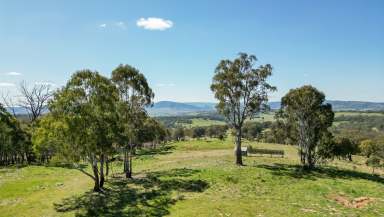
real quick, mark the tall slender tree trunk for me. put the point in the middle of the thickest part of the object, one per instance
(130, 164)
(96, 188)
(350, 157)
(125, 160)
(106, 166)
(310, 160)
(128, 173)
(102, 178)
(239, 159)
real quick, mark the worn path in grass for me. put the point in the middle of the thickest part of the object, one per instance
(196, 178)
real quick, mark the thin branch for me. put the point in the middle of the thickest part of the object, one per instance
(34, 99)
(8, 102)
(83, 171)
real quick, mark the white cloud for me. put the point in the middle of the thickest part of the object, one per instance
(46, 83)
(12, 73)
(120, 25)
(5, 84)
(154, 23)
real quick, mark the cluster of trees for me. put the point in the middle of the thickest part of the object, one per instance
(14, 141)
(179, 121)
(360, 127)
(15, 132)
(304, 118)
(95, 119)
(174, 121)
(255, 130)
(308, 119)
(374, 152)
(214, 131)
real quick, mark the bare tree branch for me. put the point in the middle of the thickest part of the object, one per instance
(34, 100)
(8, 102)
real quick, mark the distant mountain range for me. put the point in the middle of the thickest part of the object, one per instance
(17, 110)
(339, 105)
(170, 108)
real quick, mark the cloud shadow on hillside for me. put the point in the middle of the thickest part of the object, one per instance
(151, 195)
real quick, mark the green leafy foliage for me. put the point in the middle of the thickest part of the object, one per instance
(374, 151)
(15, 146)
(87, 108)
(242, 91)
(309, 118)
(134, 95)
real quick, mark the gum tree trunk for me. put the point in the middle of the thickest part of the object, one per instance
(102, 178)
(106, 166)
(96, 188)
(239, 159)
(128, 173)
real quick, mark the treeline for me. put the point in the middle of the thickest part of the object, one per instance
(97, 119)
(214, 131)
(251, 131)
(92, 119)
(360, 127)
(15, 146)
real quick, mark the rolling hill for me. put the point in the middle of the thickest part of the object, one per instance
(170, 108)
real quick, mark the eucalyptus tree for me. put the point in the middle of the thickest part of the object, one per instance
(135, 94)
(48, 138)
(152, 131)
(5, 137)
(374, 152)
(14, 146)
(86, 110)
(178, 134)
(242, 91)
(306, 112)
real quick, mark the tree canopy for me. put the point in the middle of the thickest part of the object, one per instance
(242, 91)
(134, 95)
(307, 113)
(14, 143)
(87, 107)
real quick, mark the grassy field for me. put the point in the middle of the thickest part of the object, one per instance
(270, 116)
(201, 122)
(337, 114)
(196, 178)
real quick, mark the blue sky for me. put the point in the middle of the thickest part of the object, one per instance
(335, 45)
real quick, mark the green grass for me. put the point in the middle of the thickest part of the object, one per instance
(270, 117)
(337, 114)
(195, 178)
(33, 190)
(201, 122)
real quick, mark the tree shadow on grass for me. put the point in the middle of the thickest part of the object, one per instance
(297, 171)
(66, 165)
(151, 195)
(160, 150)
